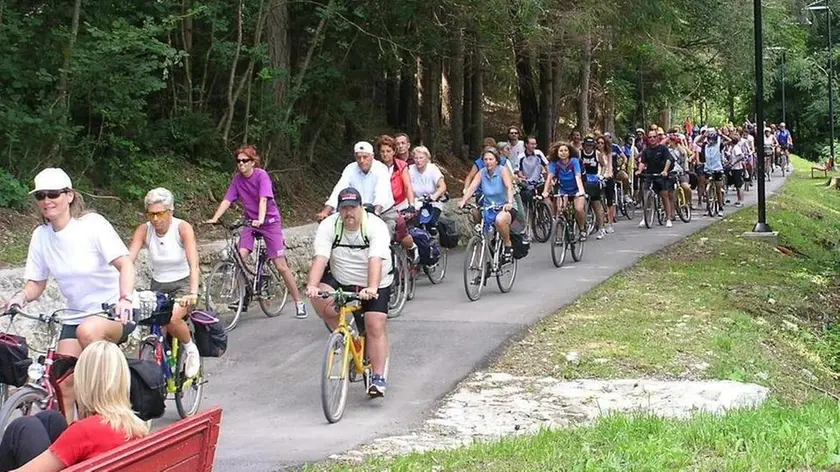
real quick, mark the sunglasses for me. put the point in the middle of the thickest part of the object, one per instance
(40, 195)
(243, 161)
(155, 215)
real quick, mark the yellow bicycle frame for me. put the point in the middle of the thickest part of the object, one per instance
(350, 345)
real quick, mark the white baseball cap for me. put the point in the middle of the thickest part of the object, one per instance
(52, 178)
(363, 146)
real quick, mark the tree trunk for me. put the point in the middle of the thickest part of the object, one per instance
(556, 93)
(609, 118)
(277, 32)
(583, 94)
(527, 94)
(730, 102)
(477, 102)
(456, 94)
(392, 98)
(68, 53)
(408, 96)
(546, 112)
(316, 40)
(468, 78)
(187, 42)
(430, 108)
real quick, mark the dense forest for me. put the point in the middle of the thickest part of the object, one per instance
(127, 95)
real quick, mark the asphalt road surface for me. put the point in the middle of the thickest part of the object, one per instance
(268, 383)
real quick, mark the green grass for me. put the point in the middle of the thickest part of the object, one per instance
(772, 437)
(715, 306)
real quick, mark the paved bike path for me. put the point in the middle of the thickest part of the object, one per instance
(268, 383)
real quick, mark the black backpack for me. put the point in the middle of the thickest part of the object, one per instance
(148, 389)
(209, 334)
(448, 233)
(521, 245)
(14, 360)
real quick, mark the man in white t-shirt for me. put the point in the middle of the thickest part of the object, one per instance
(353, 253)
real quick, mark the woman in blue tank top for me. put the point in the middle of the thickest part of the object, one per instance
(497, 187)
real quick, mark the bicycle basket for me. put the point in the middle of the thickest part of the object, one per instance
(14, 359)
(209, 334)
(154, 308)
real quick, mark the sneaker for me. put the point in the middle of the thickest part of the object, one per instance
(720, 214)
(507, 254)
(193, 361)
(414, 255)
(300, 310)
(642, 223)
(600, 234)
(668, 224)
(377, 386)
(610, 229)
(739, 204)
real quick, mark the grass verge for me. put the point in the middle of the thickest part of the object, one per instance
(714, 306)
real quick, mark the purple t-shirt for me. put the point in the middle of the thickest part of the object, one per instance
(249, 190)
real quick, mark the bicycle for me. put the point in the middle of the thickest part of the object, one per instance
(628, 209)
(165, 351)
(39, 393)
(479, 248)
(405, 276)
(566, 233)
(538, 219)
(346, 345)
(238, 283)
(713, 206)
(682, 202)
(651, 201)
(425, 220)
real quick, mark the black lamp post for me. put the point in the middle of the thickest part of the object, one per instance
(816, 7)
(761, 226)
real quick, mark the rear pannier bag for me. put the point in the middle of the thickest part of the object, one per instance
(14, 359)
(448, 231)
(148, 389)
(210, 336)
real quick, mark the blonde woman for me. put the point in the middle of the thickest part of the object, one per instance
(41, 443)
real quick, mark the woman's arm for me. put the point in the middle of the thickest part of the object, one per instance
(45, 462)
(126, 269)
(31, 290)
(191, 248)
(137, 242)
(579, 180)
(470, 190)
(223, 207)
(507, 178)
(261, 215)
(441, 188)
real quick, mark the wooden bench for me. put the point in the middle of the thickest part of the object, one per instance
(829, 165)
(188, 445)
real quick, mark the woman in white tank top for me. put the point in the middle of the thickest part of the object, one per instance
(173, 255)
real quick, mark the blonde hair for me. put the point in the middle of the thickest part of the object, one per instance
(424, 150)
(102, 383)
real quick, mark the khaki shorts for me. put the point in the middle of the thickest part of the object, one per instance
(178, 288)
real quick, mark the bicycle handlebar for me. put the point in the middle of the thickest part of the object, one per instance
(107, 312)
(342, 296)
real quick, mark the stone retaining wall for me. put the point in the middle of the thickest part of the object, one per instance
(298, 250)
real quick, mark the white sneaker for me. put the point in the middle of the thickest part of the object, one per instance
(668, 224)
(642, 223)
(610, 229)
(193, 360)
(600, 234)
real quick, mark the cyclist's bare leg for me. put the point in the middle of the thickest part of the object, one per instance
(326, 308)
(503, 225)
(599, 213)
(177, 327)
(719, 191)
(668, 201)
(376, 340)
(288, 277)
(68, 347)
(580, 211)
(686, 190)
(98, 329)
(701, 184)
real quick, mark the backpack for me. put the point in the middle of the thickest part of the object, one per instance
(148, 389)
(210, 336)
(339, 233)
(521, 245)
(448, 232)
(14, 360)
(429, 253)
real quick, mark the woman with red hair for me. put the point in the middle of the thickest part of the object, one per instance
(252, 187)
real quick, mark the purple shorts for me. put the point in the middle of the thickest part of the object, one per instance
(272, 233)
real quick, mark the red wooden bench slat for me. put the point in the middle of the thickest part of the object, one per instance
(188, 445)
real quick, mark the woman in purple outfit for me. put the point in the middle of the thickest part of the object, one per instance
(252, 187)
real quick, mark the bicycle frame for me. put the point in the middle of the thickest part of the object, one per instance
(354, 352)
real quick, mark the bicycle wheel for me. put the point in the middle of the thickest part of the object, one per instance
(188, 391)
(437, 272)
(27, 401)
(474, 262)
(506, 275)
(335, 378)
(711, 199)
(660, 210)
(411, 280)
(684, 206)
(648, 207)
(590, 221)
(273, 291)
(542, 222)
(575, 243)
(559, 243)
(399, 286)
(226, 292)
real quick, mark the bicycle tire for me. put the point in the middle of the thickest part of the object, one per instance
(506, 287)
(196, 384)
(660, 210)
(590, 220)
(275, 285)
(397, 303)
(332, 412)
(648, 208)
(411, 280)
(711, 199)
(436, 276)
(25, 396)
(542, 223)
(218, 275)
(559, 243)
(575, 243)
(474, 250)
(684, 207)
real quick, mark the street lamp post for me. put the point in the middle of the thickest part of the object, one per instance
(761, 226)
(815, 7)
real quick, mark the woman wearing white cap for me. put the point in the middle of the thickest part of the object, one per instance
(88, 260)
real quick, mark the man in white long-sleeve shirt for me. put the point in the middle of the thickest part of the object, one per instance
(372, 180)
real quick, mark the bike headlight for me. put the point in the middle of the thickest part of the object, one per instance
(35, 371)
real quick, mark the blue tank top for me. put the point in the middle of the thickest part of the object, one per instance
(493, 187)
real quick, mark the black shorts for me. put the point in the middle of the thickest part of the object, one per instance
(609, 192)
(737, 177)
(593, 189)
(69, 332)
(380, 304)
(717, 175)
(660, 183)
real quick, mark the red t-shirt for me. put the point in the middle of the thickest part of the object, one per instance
(85, 439)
